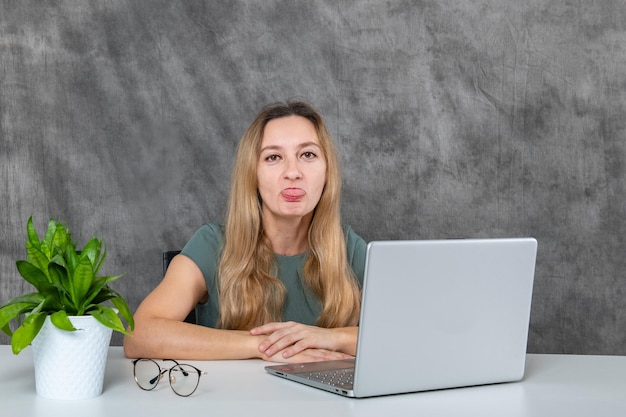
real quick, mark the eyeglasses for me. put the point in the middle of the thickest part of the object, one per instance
(184, 378)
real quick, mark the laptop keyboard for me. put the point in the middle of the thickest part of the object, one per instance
(343, 378)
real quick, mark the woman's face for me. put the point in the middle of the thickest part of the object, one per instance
(291, 170)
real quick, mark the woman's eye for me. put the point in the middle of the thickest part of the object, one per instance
(309, 155)
(272, 158)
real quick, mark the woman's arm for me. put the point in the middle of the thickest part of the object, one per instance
(160, 331)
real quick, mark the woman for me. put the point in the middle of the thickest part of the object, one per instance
(281, 280)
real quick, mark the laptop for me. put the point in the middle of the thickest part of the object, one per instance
(435, 314)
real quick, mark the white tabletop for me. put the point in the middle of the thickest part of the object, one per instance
(554, 385)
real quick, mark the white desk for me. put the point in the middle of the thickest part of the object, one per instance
(554, 385)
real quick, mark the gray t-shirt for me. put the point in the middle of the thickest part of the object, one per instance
(204, 248)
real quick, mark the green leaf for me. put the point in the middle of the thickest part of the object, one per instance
(99, 293)
(61, 321)
(31, 233)
(34, 275)
(19, 305)
(62, 238)
(53, 302)
(108, 317)
(124, 310)
(45, 250)
(59, 277)
(31, 298)
(39, 307)
(24, 335)
(101, 261)
(15, 308)
(67, 304)
(71, 258)
(48, 240)
(92, 250)
(81, 281)
(59, 260)
(57, 274)
(37, 257)
(52, 227)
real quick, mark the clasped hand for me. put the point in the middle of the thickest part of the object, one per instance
(296, 342)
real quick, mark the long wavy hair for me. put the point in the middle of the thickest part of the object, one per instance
(250, 294)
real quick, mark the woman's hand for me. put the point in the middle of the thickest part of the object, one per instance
(289, 339)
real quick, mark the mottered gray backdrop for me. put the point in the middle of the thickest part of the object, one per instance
(483, 118)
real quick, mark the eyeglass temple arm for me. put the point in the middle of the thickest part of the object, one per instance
(185, 373)
(161, 372)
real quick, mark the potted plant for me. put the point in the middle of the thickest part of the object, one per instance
(66, 315)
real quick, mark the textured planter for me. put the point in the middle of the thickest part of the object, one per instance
(71, 365)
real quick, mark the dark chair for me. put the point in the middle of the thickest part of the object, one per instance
(167, 257)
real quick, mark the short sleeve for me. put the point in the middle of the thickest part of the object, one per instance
(204, 249)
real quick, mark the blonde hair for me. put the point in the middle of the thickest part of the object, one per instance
(250, 293)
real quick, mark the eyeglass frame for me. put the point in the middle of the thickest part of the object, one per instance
(168, 370)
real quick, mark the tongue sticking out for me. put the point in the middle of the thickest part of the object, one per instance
(292, 194)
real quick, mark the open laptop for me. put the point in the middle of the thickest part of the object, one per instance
(435, 314)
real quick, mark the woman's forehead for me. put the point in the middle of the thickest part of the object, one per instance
(289, 131)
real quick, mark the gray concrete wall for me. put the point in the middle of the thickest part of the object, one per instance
(483, 118)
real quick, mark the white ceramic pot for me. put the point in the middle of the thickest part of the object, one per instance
(71, 365)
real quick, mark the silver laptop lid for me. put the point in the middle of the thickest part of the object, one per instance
(444, 313)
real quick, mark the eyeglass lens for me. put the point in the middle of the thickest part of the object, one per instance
(183, 378)
(147, 373)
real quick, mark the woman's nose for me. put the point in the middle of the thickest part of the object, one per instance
(292, 169)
